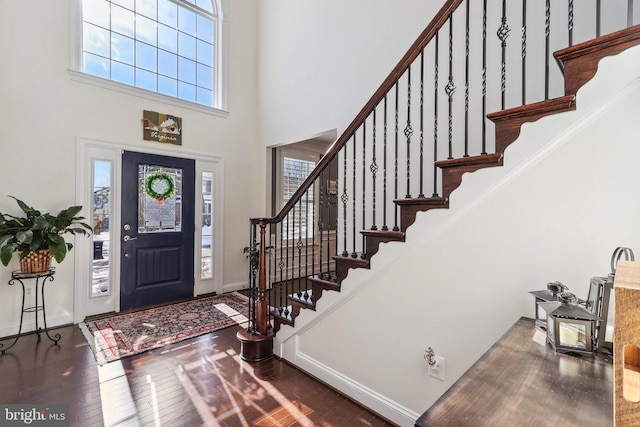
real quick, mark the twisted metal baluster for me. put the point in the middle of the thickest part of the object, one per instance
(363, 255)
(384, 169)
(374, 170)
(450, 89)
(435, 118)
(421, 123)
(570, 21)
(408, 132)
(503, 33)
(484, 77)
(466, 81)
(353, 225)
(547, 33)
(524, 52)
(395, 226)
(345, 199)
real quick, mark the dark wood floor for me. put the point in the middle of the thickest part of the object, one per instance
(192, 383)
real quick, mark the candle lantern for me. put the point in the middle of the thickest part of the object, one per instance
(570, 327)
(548, 295)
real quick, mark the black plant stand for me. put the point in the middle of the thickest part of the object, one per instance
(41, 279)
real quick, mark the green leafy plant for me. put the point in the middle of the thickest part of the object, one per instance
(37, 231)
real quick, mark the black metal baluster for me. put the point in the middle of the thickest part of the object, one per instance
(321, 224)
(395, 226)
(363, 255)
(374, 170)
(524, 52)
(286, 267)
(384, 169)
(354, 254)
(303, 280)
(466, 81)
(281, 265)
(435, 117)
(598, 17)
(450, 89)
(484, 77)
(503, 33)
(570, 21)
(408, 132)
(345, 199)
(421, 124)
(547, 33)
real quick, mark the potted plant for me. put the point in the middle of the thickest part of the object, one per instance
(38, 236)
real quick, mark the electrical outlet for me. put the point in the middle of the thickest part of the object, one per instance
(437, 370)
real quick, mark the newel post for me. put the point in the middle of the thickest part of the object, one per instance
(256, 342)
(261, 305)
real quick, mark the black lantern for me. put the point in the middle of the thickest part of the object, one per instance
(550, 294)
(600, 301)
(570, 327)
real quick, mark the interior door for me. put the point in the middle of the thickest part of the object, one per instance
(157, 217)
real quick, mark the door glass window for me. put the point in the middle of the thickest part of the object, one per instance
(159, 199)
(101, 208)
(206, 271)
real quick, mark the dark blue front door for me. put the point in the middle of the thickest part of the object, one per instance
(158, 195)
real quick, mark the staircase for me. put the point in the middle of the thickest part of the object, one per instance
(358, 174)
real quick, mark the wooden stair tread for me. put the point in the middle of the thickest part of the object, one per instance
(534, 111)
(508, 122)
(470, 161)
(326, 283)
(580, 62)
(432, 202)
(305, 301)
(352, 262)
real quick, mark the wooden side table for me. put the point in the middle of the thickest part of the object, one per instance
(40, 279)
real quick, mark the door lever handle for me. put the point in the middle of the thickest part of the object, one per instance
(128, 238)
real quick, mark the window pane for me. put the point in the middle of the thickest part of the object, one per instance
(146, 80)
(186, 46)
(167, 64)
(146, 56)
(129, 4)
(167, 38)
(122, 21)
(186, 70)
(205, 96)
(101, 208)
(186, 92)
(159, 199)
(186, 21)
(205, 4)
(146, 31)
(122, 73)
(96, 12)
(167, 86)
(207, 225)
(168, 13)
(205, 76)
(205, 28)
(96, 65)
(96, 40)
(205, 53)
(147, 8)
(122, 49)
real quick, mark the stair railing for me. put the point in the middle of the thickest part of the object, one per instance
(431, 111)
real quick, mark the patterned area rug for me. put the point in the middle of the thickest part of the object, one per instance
(118, 336)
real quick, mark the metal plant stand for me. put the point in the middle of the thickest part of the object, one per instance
(41, 279)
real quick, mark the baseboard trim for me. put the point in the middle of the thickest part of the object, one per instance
(376, 402)
(29, 325)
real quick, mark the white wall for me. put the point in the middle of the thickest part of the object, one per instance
(44, 111)
(312, 53)
(565, 199)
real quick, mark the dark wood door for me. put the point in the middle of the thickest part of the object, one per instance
(158, 195)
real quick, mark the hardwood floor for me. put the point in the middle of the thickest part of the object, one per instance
(192, 383)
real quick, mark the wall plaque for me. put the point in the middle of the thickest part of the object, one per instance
(164, 128)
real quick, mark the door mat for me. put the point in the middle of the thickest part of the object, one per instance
(118, 336)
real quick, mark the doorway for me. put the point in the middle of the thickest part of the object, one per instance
(157, 229)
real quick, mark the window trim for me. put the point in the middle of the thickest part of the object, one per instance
(76, 73)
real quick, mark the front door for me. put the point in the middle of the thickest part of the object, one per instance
(158, 195)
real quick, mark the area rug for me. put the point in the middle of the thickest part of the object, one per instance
(118, 336)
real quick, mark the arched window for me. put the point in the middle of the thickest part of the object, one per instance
(171, 47)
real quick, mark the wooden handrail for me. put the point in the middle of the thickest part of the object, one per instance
(416, 48)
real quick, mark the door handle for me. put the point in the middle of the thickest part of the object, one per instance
(128, 238)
